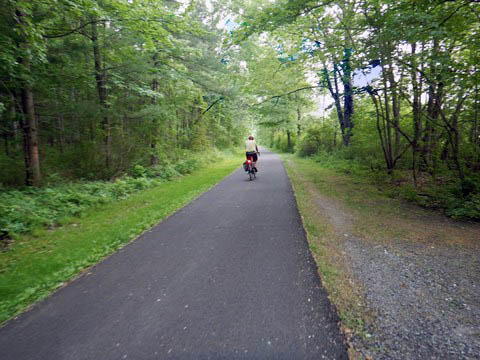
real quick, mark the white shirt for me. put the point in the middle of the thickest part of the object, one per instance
(251, 146)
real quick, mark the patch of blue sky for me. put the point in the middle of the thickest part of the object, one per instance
(366, 76)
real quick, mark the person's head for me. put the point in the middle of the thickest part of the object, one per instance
(251, 137)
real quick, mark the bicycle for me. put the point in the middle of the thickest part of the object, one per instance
(248, 166)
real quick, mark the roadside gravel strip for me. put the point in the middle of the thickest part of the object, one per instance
(424, 295)
(230, 276)
(426, 298)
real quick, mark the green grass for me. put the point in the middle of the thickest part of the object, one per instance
(360, 194)
(360, 203)
(37, 264)
(309, 178)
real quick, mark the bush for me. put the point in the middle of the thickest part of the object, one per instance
(139, 171)
(187, 166)
(23, 211)
(447, 197)
(470, 208)
(165, 172)
(310, 143)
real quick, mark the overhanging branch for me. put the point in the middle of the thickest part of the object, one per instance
(286, 94)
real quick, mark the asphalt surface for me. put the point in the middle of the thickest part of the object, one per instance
(229, 276)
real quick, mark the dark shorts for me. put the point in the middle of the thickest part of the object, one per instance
(252, 155)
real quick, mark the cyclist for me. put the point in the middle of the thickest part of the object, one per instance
(252, 151)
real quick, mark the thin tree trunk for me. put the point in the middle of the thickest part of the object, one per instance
(6, 136)
(417, 121)
(476, 133)
(434, 107)
(379, 114)
(30, 138)
(29, 124)
(395, 104)
(299, 117)
(16, 122)
(100, 78)
(348, 97)
(153, 143)
(456, 141)
(387, 124)
(289, 141)
(61, 132)
(335, 96)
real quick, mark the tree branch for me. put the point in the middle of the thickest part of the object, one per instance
(286, 94)
(69, 32)
(204, 112)
(212, 105)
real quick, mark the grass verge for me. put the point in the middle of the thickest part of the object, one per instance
(378, 217)
(325, 242)
(34, 266)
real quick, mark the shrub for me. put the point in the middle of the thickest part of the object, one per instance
(310, 143)
(447, 197)
(138, 171)
(470, 208)
(166, 172)
(187, 166)
(23, 211)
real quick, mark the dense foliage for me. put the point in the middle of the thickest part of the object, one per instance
(89, 89)
(403, 86)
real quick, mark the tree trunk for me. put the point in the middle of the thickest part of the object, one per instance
(382, 133)
(30, 139)
(29, 124)
(100, 79)
(417, 120)
(336, 98)
(299, 117)
(395, 104)
(5, 135)
(61, 132)
(454, 136)
(153, 143)
(344, 115)
(387, 123)
(289, 141)
(476, 134)
(348, 98)
(434, 107)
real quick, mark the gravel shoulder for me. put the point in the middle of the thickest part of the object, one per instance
(421, 288)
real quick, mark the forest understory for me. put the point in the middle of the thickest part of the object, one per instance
(404, 279)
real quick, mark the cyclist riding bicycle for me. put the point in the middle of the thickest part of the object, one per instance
(252, 151)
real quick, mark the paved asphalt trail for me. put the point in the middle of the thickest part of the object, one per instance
(229, 276)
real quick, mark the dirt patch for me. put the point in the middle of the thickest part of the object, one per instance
(417, 272)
